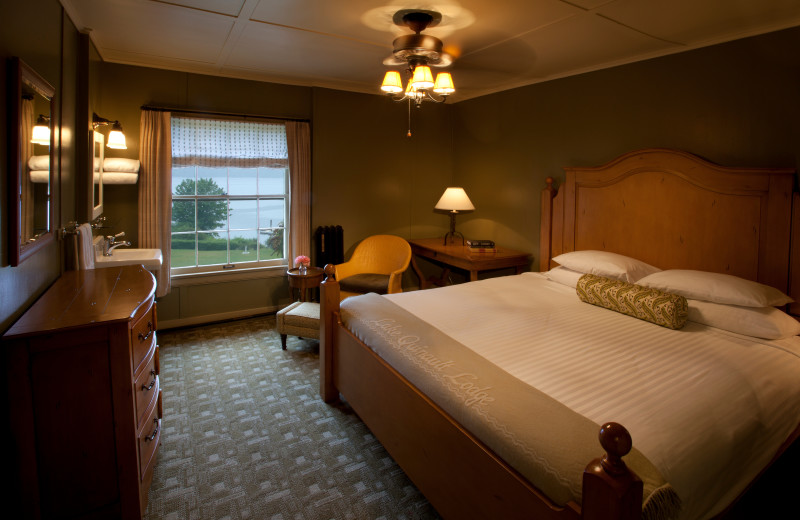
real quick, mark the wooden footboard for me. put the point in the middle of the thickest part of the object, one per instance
(458, 474)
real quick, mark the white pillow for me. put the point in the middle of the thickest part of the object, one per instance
(758, 322)
(603, 263)
(716, 287)
(564, 276)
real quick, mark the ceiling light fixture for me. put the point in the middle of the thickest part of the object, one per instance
(116, 138)
(419, 52)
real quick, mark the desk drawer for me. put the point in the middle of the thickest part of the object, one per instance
(146, 387)
(149, 438)
(143, 337)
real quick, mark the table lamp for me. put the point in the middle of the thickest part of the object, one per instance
(454, 200)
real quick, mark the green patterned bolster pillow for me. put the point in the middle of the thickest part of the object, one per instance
(659, 307)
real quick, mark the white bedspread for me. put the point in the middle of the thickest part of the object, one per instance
(708, 408)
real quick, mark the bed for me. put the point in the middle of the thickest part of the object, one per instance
(721, 220)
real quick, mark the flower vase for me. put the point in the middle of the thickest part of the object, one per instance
(303, 269)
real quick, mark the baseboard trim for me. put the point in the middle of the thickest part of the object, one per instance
(215, 318)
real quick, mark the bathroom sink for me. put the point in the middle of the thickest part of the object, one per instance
(150, 258)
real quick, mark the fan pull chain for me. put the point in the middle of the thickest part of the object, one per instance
(409, 118)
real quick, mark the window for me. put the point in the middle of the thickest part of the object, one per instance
(230, 195)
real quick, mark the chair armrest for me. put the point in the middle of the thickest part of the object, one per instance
(346, 269)
(396, 282)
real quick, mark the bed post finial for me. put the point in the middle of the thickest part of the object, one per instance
(328, 314)
(610, 488)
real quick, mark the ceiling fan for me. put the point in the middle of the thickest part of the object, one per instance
(422, 47)
(419, 52)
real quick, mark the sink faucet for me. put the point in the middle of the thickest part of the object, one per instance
(110, 243)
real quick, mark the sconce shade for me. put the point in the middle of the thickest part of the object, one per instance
(392, 82)
(41, 132)
(455, 199)
(444, 84)
(423, 78)
(116, 139)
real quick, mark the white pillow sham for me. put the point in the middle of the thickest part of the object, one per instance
(716, 287)
(758, 322)
(564, 276)
(604, 263)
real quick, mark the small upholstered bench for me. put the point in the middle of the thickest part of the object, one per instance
(298, 319)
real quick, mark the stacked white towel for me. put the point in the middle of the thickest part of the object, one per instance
(85, 247)
(120, 164)
(39, 162)
(40, 175)
(118, 170)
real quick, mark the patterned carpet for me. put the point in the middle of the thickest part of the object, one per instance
(246, 436)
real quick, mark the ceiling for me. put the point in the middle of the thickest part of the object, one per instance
(341, 44)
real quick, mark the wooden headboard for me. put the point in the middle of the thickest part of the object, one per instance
(674, 210)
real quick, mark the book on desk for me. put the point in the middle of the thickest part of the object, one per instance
(481, 246)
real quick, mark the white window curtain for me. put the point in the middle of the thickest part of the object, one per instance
(155, 189)
(218, 142)
(298, 137)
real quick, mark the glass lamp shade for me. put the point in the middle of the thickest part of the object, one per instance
(444, 84)
(116, 139)
(41, 134)
(423, 78)
(454, 199)
(392, 83)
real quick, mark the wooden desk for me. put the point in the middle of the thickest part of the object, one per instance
(456, 255)
(304, 282)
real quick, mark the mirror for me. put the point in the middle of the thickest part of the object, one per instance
(31, 156)
(97, 174)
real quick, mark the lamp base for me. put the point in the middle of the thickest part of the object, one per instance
(453, 235)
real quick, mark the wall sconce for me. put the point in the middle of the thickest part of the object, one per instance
(41, 131)
(116, 138)
(454, 200)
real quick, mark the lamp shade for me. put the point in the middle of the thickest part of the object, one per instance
(116, 139)
(444, 84)
(41, 134)
(423, 78)
(392, 82)
(454, 199)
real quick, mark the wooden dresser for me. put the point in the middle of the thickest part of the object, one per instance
(83, 400)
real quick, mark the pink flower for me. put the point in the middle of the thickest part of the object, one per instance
(302, 260)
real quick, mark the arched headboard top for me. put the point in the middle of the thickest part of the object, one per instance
(675, 210)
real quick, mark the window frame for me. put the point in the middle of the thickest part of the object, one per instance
(228, 267)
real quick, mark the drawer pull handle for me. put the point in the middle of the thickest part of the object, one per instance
(155, 432)
(152, 383)
(145, 337)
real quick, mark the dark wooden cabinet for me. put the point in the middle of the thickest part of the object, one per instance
(83, 403)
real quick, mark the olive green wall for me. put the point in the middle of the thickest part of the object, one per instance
(370, 177)
(39, 34)
(735, 104)
(367, 175)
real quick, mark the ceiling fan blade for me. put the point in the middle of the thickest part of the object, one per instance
(392, 61)
(445, 60)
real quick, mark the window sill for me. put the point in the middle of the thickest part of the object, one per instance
(179, 280)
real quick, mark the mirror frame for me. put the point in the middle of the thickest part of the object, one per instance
(98, 141)
(22, 74)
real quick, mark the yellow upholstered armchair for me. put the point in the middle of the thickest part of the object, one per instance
(377, 265)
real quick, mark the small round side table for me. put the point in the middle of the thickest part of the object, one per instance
(304, 282)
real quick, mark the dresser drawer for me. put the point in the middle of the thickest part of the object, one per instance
(143, 337)
(149, 437)
(146, 387)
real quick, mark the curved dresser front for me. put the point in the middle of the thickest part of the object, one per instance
(83, 398)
